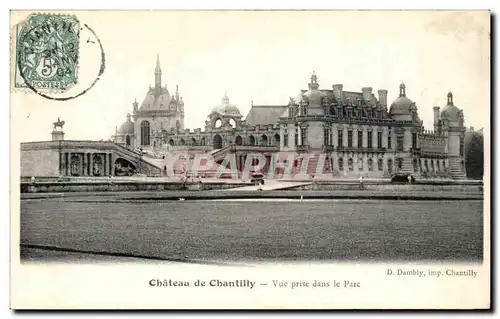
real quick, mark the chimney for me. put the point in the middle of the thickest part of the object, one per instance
(382, 97)
(436, 117)
(367, 93)
(337, 91)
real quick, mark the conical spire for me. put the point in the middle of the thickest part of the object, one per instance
(158, 72)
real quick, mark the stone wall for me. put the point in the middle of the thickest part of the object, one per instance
(42, 162)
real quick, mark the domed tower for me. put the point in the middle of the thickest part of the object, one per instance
(159, 111)
(310, 133)
(125, 134)
(452, 126)
(405, 110)
(224, 116)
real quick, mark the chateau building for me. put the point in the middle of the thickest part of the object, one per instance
(350, 134)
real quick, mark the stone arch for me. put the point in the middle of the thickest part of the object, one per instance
(145, 133)
(203, 141)
(217, 141)
(193, 141)
(251, 140)
(232, 123)
(277, 139)
(171, 142)
(238, 140)
(218, 122)
(123, 167)
(182, 142)
(127, 140)
(264, 140)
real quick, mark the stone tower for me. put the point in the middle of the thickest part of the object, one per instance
(452, 125)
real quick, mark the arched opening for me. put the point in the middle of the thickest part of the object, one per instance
(193, 141)
(182, 142)
(277, 139)
(370, 164)
(341, 164)
(415, 165)
(171, 142)
(263, 140)
(389, 165)
(202, 142)
(154, 144)
(123, 167)
(232, 122)
(350, 164)
(218, 123)
(251, 140)
(380, 164)
(238, 140)
(127, 140)
(217, 142)
(145, 133)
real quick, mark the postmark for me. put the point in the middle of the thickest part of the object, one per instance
(47, 50)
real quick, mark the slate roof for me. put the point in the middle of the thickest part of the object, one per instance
(265, 114)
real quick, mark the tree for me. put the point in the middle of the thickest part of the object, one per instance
(474, 155)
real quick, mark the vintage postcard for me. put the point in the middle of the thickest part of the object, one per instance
(250, 159)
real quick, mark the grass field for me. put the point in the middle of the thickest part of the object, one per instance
(363, 230)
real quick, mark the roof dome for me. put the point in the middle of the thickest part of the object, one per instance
(402, 105)
(313, 95)
(226, 108)
(127, 127)
(450, 111)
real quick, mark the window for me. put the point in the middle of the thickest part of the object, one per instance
(360, 139)
(327, 138)
(413, 140)
(399, 141)
(379, 139)
(349, 138)
(340, 138)
(380, 164)
(341, 164)
(285, 138)
(415, 165)
(145, 133)
(350, 164)
(389, 141)
(389, 166)
(303, 135)
(370, 164)
(370, 139)
(462, 146)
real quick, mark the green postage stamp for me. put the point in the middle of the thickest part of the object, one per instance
(47, 52)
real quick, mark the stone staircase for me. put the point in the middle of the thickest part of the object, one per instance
(455, 169)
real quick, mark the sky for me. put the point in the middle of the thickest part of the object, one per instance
(265, 57)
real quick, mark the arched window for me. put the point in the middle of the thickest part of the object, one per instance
(380, 164)
(171, 142)
(350, 164)
(263, 140)
(238, 140)
(415, 165)
(277, 139)
(389, 165)
(202, 141)
(127, 140)
(251, 140)
(182, 142)
(193, 141)
(145, 133)
(341, 164)
(370, 164)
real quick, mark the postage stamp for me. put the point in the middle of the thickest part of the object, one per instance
(46, 54)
